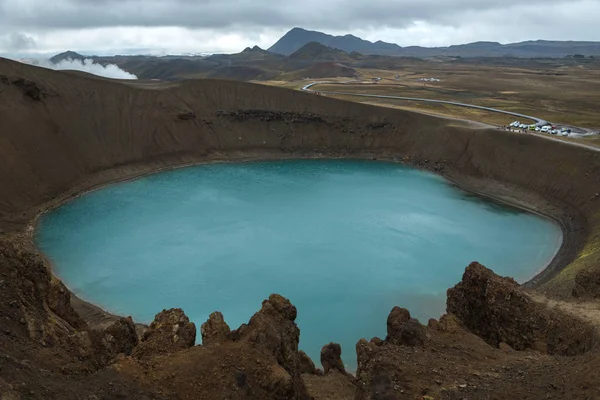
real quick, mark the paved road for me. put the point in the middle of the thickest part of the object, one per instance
(576, 130)
(454, 103)
(308, 88)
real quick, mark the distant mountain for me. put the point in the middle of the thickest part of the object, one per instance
(315, 51)
(249, 54)
(67, 55)
(298, 37)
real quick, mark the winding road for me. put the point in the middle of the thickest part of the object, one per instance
(454, 103)
(308, 88)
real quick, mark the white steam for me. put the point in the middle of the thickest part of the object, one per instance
(88, 65)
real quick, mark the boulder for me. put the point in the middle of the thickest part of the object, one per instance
(215, 329)
(331, 358)
(171, 331)
(272, 330)
(402, 330)
(118, 338)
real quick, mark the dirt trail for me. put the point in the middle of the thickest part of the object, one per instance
(587, 310)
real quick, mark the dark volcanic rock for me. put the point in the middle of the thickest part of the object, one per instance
(331, 358)
(215, 329)
(269, 116)
(118, 338)
(404, 330)
(59, 301)
(186, 115)
(274, 331)
(29, 88)
(374, 381)
(170, 331)
(307, 366)
(497, 310)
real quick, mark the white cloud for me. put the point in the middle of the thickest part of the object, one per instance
(107, 71)
(195, 26)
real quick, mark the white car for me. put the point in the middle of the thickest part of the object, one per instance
(545, 129)
(537, 128)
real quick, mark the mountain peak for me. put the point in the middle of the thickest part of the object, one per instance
(254, 49)
(298, 37)
(67, 55)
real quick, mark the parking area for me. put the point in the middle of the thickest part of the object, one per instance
(547, 128)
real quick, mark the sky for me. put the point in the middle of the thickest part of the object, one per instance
(105, 27)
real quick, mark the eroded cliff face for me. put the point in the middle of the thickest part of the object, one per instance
(497, 310)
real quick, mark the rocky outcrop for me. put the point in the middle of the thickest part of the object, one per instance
(587, 283)
(120, 337)
(171, 331)
(215, 329)
(270, 116)
(331, 358)
(498, 310)
(306, 365)
(35, 306)
(274, 331)
(186, 115)
(59, 301)
(29, 88)
(404, 330)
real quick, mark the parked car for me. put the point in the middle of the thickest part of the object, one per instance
(537, 128)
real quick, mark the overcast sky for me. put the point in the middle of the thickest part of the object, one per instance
(183, 26)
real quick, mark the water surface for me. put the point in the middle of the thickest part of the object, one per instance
(344, 240)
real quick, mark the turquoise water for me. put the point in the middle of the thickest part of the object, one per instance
(344, 240)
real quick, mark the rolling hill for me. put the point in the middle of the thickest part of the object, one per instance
(317, 52)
